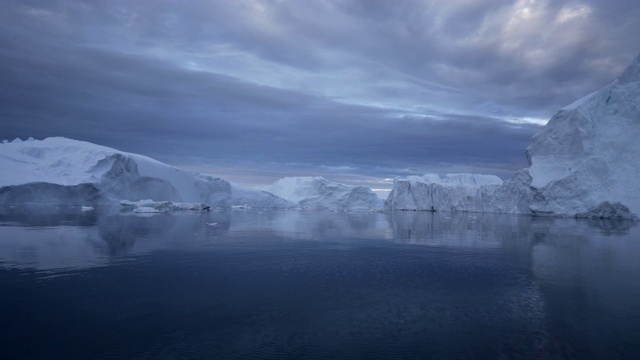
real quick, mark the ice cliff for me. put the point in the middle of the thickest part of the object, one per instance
(453, 192)
(319, 193)
(60, 171)
(583, 163)
(587, 155)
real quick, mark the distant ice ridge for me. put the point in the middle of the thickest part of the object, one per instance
(60, 171)
(244, 197)
(453, 192)
(583, 163)
(319, 193)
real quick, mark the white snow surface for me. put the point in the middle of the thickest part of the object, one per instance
(56, 160)
(319, 193)
(61, 171)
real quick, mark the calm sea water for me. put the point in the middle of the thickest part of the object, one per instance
(82, 285)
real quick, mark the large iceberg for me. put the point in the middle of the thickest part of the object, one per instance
(60, 171)
(583, 163)
(319, 193)
(587, 155)
(431, 192)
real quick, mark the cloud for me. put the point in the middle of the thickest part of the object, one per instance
(348, 88)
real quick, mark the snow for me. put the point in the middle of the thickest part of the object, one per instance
(452, 192)
(61, 171)
(319, 193)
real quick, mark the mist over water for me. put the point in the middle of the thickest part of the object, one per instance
(295, 284)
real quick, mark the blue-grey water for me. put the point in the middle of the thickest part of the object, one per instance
(323, 285)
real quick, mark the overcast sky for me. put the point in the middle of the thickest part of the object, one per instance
(356, 91)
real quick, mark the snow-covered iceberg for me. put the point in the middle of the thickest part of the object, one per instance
(319, 193)
(583, 163)
(60, 171)
(243, 197)
(587, 155)
(431, 192)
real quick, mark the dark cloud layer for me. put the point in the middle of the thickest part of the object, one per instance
(255, 90)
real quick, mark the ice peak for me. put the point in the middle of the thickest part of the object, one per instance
(316, 192)
(632, 73)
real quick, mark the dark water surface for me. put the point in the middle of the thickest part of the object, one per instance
(83, 285)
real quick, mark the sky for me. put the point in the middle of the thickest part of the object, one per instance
(356, 91)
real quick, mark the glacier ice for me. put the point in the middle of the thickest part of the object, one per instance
(453, 192)
(60, 171)
(583, 163)
(587, 154)
(606, 210)
(316, 192)
(244, 197)
(150, 206)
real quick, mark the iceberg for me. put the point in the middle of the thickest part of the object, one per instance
(61, 171)
(150, 206)
(586, 158)
(319, 193)
(431, 192)
(244, 198)
(583, 163)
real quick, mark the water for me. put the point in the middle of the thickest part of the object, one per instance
(316, 285)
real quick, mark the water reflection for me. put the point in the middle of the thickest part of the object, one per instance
(47, 238)
(312, 225)
(459, 229)
(530, 287)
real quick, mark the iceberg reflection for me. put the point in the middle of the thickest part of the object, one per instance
(46, 238)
